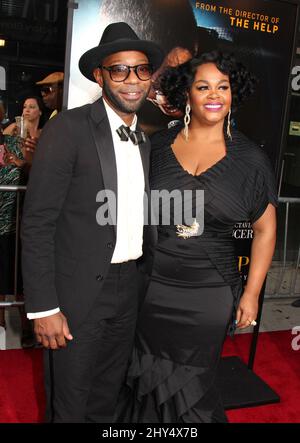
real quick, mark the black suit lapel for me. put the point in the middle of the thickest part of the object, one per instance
(101, 132)
(150, 234)
(145, 150)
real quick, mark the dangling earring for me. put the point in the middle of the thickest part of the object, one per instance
(187, 119)
(228, 125)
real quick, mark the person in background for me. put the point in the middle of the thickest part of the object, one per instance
(4, 122)
(32, 112)
(52, 92)
(14, 171)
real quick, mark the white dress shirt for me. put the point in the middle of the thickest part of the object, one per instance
(131, 186)
(130, 199)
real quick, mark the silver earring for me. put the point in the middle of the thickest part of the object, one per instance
(228, 125)
(187, 119)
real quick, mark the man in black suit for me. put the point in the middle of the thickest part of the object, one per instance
(79, 258)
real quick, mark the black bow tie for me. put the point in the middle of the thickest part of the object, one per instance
(125, 133)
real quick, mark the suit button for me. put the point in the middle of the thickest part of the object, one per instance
(99, 277)
(110, 245)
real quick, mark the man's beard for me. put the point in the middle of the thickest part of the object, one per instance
(120, 105)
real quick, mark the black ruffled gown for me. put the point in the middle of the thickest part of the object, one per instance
(194, 287)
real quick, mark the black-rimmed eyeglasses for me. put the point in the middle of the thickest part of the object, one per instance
(119, 73)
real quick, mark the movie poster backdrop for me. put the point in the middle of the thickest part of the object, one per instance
(259, 32)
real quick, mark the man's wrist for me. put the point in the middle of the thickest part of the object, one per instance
(42, 314)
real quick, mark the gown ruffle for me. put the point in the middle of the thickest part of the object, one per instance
(164, 389)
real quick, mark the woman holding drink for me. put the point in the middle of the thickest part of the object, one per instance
(28, 129)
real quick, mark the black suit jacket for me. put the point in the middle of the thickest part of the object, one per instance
(65, 253)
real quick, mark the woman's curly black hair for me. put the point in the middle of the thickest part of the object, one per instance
(176, 82)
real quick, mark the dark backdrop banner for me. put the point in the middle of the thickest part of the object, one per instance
(33, 29)
(259, 32)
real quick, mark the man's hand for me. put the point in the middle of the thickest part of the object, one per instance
(52, 331)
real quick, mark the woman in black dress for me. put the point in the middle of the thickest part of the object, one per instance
(195, 290)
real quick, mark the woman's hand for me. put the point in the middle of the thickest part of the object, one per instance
(28, 149)
(11, 159)
(247, 310)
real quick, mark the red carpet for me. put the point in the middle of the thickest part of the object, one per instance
(22, 395)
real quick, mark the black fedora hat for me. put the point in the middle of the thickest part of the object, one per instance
(115, 38)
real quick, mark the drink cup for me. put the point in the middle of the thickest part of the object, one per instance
(21, 126)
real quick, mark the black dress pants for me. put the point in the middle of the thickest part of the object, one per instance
(83, 380)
